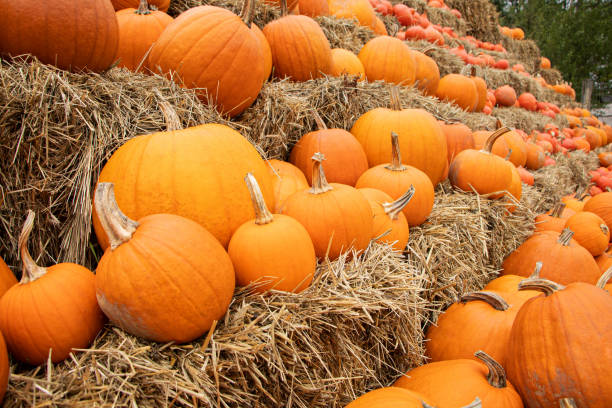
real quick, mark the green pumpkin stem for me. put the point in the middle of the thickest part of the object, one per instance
(396, 155)
(494, 136)
(557, 210)
(604, 278)
(117, 226)
(395, 208)
(567, 403)
(493, 299)
(541, 285)
(262, 214)
(396, 103)
(536, 271)
(143, 8)
(319, 183)
(318, 120)
(565, 237)
(30, 270)
(497, 374)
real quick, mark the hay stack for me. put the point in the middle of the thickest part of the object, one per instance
(343, 33)
(446, 19)
(528, 121)
(526, 51)
(552, 76)
(481, 17)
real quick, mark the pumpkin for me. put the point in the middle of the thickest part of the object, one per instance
(604, 261)
(246, 14)
(454, 383)
(353, 9)
(337, 216)
(544, 63)
(72, 35)
(480, 170)
(138, 30)
(420, 137)
(535, 156)
(390, 225)
(427, 73)
(481, 88)
(124, 4)
(51, 311)
(133, 274)
(388, 59)
(213, 161)
(528, 101)
(590, 231)
(395, 179)
(563, 259)
(4, 367)
(458, 138)
(7, 277)
(605, 158)
(286, 180)
(480, 321)
(526, 176)
(313, 8)
(345, 158)
(390, 397)
(299, 47)
(601, 204)
(345, 62)
(508, 287)
(517, 33)
(460, 90)
(560, 345)
(378, 26)
(554, 220)
(274, 251)
(505, 96)
(510, 145)
(213, 51)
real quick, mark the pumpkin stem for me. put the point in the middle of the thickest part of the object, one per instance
(603, 279)
(247, 12)
(567, 403)
(393, 209)
(557, 210)
(143, 8)
(536, 271)
(604, 228)
(262, 214)
(427, 49)
(30, 270)
(565, 237)
(396, 103)
(319, 182)
(498, 123)
(173, 122)
(318, 120)
(117, 226)
(493, 299)
(494, 136)
(497, 375)
(284, 10)
(475, 404)
(508, 155)
(542, 285)
(396, 155)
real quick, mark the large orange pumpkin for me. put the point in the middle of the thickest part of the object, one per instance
(590, 231)
(560, 345)
(7, 278)
(350, 9)
(458, 89)
(286, 180)
(212, 50)
(124, 4)
(213, 161)
(421, 139)
(4, 367)
(345, 62)
(458, 138)
(51, 311)
(601, 204)
(388, 59)
(163, 278)
(390, 397)
(69, 34)
(337, 217)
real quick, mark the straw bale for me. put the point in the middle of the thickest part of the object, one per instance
(446, 19)
(552, 76)
(263, 13)
(481, 17)
(526, 51)
(419, 5)
(523, 119)
(343, 33)
(356, 328)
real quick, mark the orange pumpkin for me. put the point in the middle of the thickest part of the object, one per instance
(554, 220)
(213, 51)
(345, 62)
(133, 274)
(124, 4)
(604, 261)
(427, 73)
(510, 145)
(138, 30)
(378, 27)
(7, 278)
(273, 250)
(508, 287)
(4, 367)
(345, 158)
(388, 59)
(544, 63)
(505, 95)
(601, 204)
(69, 34)
(535, 156)
(286, 180)
(51, 311)
(526, 176)
(605, 158)
(460, 90)
(213, 161)
(458, 138)
(313, 8)
(590, 231)
(350, 9)
(395, 179)
(517, 33)
(390, 397)
(337, 216)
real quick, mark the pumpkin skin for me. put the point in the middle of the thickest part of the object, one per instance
(578, 362)
(72, 35)
(505, 96)
(544, 63)
(553, 220)
(349, 9)
(275, 248)
(299, 48)
(138, 30)
(197, 188)
(458, 138)
(604, 261)
(4, 367)
(52, 308)
(388, 59)
(313, 8)
(481, 89)
(124, 4)
(420, 138)
(390, 397)
(427, 73)
(345, 62)
(507, 287)
(148, 254)
(455, 383)
(7, 278)
(590, 231)
(526, 176)
(335, 212)
(601, 204)
(563, 259)
(286, 180)
(265, 49)
(459, 90)
(212, 50)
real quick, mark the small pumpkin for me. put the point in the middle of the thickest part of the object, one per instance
(274, 250)
(388, 59)
(601, 204)
(390, 397)
(344, 62)
(505, 96)
(510, 145)
(286, 180)
(7, 278)
(590, 231)
(544, 63)
(458, 138)
(458, 89)
(427, 73)
(554, 220)
(51, 311)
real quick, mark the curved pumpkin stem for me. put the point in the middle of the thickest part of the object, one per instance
(319, 182)
(558, 210)
(284, 10)
(396, 154)
(536, 271)
(143, 8)
(493, 299)
(247, 12)
(393, 209)
(30, 271)
(567, 403)
(262, 214)
(173, 122)
(318, 120)
(542, 285)
(497, 375)
(396, 103)
(117, 226)
(565, 237)
(494, 136)
(604, 278)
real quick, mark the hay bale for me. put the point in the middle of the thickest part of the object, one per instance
(419, 5)
(523, 119)
(481, 17)
(552, 76)
(526, 51)
(264, 12)
(343, 33)
(356, 328)
(446, 19)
